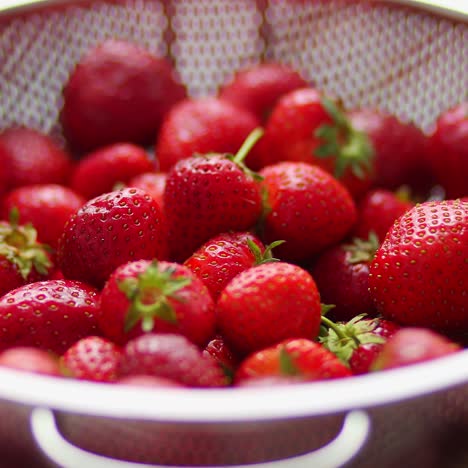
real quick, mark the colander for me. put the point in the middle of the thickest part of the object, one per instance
(409, 58)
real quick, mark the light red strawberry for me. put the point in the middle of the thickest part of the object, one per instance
(149, 381)
(153, 183)
(30, 359)
(108, 231)
(162, 297)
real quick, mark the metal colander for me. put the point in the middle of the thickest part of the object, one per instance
(409, 61)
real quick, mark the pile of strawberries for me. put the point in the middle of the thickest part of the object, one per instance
(261, 236)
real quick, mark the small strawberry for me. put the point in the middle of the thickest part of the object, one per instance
(50, 315)
(418, 276)
(210, 194)
(99, 172)
(165, 297)
(299, 358)
(172, 357)
(218, 350)
(30, 359)
(108, 231)
(306, 207)
(266, 304)
(153, 183)
(117, 92)
(92, 358)
(47, 207)
(202, 126)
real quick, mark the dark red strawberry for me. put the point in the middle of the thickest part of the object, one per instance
(108, 231)
(153, 183)
(448, 155)
(210, 194)
(147, 296)
(30, 157)
(172, 357)
(118, 92)
(266, 304)
(299, 358)
(30, 359)
(47, 207)
(258, 88)
(92, 358)
(222, 354)
(418, 276)
(201, 126)
(306, 207)
(50, 315)
(99, 172)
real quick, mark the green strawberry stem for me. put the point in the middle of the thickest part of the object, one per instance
(248, 144)
(336, 328)
(267, 255)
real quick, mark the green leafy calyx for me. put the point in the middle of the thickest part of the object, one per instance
(287, 363)
(267, 255)
(361, 250)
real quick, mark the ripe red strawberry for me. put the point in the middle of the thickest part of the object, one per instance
(306, 207)
(117, 92)
(99, 172)
(342, 277)
(108, 231)
(418, 276)
(201, 126)
(30, 359)
(266, 304)
(411, 346)
(306, 126)
(210, 194)
(258, 88)
(148, 381)
(30, 157)
(172, 357)
(50, 315)
(218, 350)
(156, 296)
(92, 358)
(47, 207)
(448, 155)
(300, 358)
(377, 212)
(153, 183)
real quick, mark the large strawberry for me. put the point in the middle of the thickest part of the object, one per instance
(418, 276)
(306, 207)
(108, 231)
(266, 304)
(156, 296)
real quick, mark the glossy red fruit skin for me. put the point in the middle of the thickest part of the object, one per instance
(206, 196)
(221, 258)
(172, 357)
(47, 207)
(202, 126)
(108, 231)
(31, 157)
(30, 359)
(306, 207)
(195, 312)
(218, 350)
(418, 275)
(117, 92)
(266, 304)
(153, 183)
(448, 155)
(99, 172)
(50, 315)
(377, 212)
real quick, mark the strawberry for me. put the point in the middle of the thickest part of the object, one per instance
(47, 207)
(91, 358)
(165, 297)
(50, 315)
(108, 231)
(418, 276)
(201, 126)
(258, 88)
(30, 157)
(448, 155)
(342, 277)
(148, 381)
(266, 304)
(411, 346)
(306, 207)
(117, 92)
(307, 126)
(218, 350)
(99, 172)
(30, 360)
(300, 358)
(172, 357)
(206, 195)
(153, 183)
